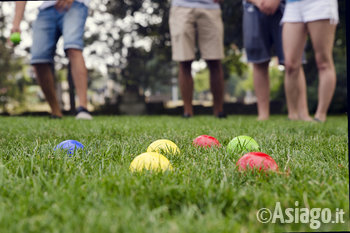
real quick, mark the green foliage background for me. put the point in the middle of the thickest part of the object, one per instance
(152, 68)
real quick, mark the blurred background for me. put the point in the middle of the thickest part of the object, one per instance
(128, 55)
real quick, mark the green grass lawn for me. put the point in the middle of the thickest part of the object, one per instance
(46, 191)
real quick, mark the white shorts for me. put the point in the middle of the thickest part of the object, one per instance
(304, 11)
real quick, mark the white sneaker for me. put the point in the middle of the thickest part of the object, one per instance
(83, 114)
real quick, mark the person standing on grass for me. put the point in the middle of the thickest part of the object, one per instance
(262, 33)
(317, 19)
(199, 21)
(56, 18)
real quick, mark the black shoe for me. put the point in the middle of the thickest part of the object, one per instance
(186, 115)
(83, 114)
(221, 115)
(55, 117)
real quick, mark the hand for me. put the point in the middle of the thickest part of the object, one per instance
(14, 29)
(268, 7)
(62, 5)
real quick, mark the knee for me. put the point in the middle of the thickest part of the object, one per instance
(323, 61)
(43, 67)
(186, 65)
(74, 53)
(213, 64)
(37, 66)
(291, 67)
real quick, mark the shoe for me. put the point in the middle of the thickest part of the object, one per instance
(83, 114)
(54, 117)
(186, 115)
(221, 115)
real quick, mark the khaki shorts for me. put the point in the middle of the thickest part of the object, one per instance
(189, 24)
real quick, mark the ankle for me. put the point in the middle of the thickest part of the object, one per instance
(57, 113)
(293, 117)
(321, 117)
(218, 111)
(305, 118)
(83, 106)
(263, 118)
(188, 111)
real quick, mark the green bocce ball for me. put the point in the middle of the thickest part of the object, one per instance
(15, 37)
(242, 144)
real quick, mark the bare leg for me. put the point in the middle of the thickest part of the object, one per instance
(262, 89)
(322, 37)
(79, 73)
(303, 108)
(46, 81)
(186, 86)
(217, 84)
(294, 39)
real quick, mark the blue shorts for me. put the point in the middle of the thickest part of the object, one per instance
(51, 24)
(262, 34)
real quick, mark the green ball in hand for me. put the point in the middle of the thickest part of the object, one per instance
(15, 37)
(242, 144)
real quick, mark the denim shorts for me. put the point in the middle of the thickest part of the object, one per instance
(51, 24)
(262, 34)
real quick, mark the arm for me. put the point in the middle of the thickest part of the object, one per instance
(267, 7)
(255, 2)
(19, 12)
(62, 5)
